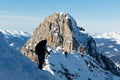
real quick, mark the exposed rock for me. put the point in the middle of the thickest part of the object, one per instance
(110, 65)
(62, 33)
(59, 29)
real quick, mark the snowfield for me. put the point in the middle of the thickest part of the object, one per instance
(74, 67)
(109, 43)
(15, 66)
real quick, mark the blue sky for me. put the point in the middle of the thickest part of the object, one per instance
(96, 16)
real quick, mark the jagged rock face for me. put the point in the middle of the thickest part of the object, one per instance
(58, 30)
(62, 33)
(110, 65)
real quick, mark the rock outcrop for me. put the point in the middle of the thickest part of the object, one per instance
(61, 31)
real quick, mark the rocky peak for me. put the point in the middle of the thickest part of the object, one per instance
(61, 31)
(57, 30)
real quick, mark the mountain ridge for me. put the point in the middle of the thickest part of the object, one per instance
(66, 60)
(64, 33)
(14, 65)
(109, 43)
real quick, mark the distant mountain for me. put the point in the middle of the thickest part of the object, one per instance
(109, 43)
(73, 53)
(14, 65)
(14, 39)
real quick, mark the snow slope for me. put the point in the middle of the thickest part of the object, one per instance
(109, 43)
(15, 39)
(87, 64)
(75, 67)
(15, 66)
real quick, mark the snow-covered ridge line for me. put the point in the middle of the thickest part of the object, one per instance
(68, 65)
(64, 14)
(15, 33)
(115, 36)
(67, 16)
(106, 34)
(14, 39)
(14, 65)
(109, 43)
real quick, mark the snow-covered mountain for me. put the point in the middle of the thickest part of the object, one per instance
(14, 39)
(109, 43)
(14, 65)
(73, 66)
(73, 53)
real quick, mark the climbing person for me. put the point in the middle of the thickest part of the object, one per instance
(41, 50)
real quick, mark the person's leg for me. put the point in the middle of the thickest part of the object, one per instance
(41, 62)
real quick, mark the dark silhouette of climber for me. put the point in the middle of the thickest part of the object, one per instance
(41, 50)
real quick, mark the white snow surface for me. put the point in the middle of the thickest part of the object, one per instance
(109, 43)
(74, 65)
(15, 66)
(115, 36)
(15, 33)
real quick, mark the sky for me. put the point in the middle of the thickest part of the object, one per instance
(96, 16)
